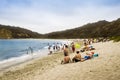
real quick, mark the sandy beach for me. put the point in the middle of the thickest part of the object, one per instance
(104, 67)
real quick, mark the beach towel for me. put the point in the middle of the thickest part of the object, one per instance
(87, 57)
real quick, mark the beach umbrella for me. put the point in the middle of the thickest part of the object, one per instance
(77, 45)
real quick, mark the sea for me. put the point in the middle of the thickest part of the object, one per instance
(14, 51)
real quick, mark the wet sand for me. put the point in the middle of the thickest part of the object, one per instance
(104, 67)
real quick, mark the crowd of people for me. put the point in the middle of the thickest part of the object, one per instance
(55, 47)
(87, 46)
(86, 49)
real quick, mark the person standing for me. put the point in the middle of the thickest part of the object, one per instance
(73, 47)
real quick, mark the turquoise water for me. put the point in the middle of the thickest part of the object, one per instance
(18, 47)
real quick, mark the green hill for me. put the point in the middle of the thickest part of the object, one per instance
(91, 30)
(8, 32)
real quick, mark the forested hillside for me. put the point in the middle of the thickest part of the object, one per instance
(8, 32)
(90, 30)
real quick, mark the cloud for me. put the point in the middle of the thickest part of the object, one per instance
(44, 17)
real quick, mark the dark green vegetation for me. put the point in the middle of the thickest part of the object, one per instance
(8, 32)
(115, 38)
(90, 30)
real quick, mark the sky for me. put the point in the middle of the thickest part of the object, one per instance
(44, 16)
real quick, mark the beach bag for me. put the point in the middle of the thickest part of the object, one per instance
(95, 55)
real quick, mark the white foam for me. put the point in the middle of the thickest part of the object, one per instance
(46, 47)
(23, 58)
(15, 60)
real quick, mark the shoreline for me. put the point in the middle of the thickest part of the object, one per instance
(27, 57)
(13, 67)
(50, 68)
(19, 60)
(40, 65)
(32, 58)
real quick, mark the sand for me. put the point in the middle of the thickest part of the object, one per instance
(104, 67)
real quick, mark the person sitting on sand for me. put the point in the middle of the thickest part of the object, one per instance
(66, 56)
(89, 55)
(86, 47)
(91, 47)
(66, 60)
(77, 57)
